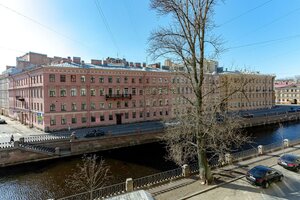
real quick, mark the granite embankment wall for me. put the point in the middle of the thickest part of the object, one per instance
(70, 147)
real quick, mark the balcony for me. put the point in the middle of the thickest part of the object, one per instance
(117, 96)
(20, 98)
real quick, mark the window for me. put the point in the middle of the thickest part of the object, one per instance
(125, 79)
(74, 108)
(110, 105)
(73, 78)
(133, 91)
(73, 92)
(93, 118)
(63, 121)
(52, 77)
(92, 79)
(154, 113)
(118, 80)
(141, 103)
(63, 92)
(133, 103)
(118, 104)
(93, 92)
(52, 107)
(140, 80)
(160, 113)
(148, 114)
(141, 114)
(52, 92)
(82, 79)
(110, 79)
(83, 119)
(63, 107)
(110, 91)
(101, 79)
(126, 104)
(52, 121)
(133, 115)
(141, 92)
(62, 78)
(83, 92)
(83, 106)
(101, 92)
(110, 117)
(102, 105)
(102, 118)
(74, 120)
(133, 80)
(126, 115)
(93, 106)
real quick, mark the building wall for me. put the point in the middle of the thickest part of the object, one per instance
(4, 94)
(45, 97)
(254, 91)
(289, 94)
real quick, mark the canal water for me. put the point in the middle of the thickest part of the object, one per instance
(47, 179)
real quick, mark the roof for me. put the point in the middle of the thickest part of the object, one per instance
(262, 167)
(108, 66)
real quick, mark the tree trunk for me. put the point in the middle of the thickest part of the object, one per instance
(204, 168)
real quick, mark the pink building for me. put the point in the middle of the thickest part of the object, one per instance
(69, 94)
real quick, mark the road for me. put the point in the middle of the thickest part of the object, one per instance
(289, 188)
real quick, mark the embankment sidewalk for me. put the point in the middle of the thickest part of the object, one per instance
(191, 187)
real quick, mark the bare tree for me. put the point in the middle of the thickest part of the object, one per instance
(89, 175)
(186, 41)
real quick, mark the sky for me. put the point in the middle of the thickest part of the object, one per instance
(259, 35)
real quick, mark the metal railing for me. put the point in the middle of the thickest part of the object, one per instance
(157, 178)
(244, 154)
(100, 193)
(273, 146)
(6, 145)
(39, 138)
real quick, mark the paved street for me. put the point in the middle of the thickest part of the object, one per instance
(17, 129)
(289, 188)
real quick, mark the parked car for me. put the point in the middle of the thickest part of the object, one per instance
(247, 115)
(298, 109)
(289, 161)
(263, 176)
(2, 121)
(95, 133)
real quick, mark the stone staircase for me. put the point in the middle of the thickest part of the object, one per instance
(38, 148)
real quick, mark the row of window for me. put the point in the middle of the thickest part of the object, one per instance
(110, 117)
(118, 104)
(31, 80)
(110, 79)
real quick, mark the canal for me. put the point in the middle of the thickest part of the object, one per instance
(47, 179)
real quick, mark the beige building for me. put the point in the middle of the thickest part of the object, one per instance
(247, 91)
(287, 93)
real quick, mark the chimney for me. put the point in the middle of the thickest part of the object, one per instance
(96, 62)
(131, 64)
(137, 64)
(144, 65)
(76, 60)
(82, 62)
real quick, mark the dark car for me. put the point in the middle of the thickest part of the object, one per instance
(2, 121)
(247, 115)
(95, 133)
(290, 161)
(263, 176)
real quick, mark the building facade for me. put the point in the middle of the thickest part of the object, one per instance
(287, 93)
(68, 93)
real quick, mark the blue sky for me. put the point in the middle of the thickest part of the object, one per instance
(261, 35)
